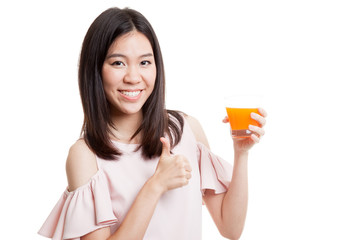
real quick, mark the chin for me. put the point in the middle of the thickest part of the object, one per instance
(126, 109)
(131, 111)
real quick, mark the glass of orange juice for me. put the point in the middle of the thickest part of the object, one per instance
(238, 110)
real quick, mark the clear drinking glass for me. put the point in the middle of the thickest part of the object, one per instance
(239, 108)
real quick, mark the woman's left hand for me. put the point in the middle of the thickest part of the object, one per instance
(244, 144)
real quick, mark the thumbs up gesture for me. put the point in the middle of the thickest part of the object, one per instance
(172, 171)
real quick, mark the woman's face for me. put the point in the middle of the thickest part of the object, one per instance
(129, 73)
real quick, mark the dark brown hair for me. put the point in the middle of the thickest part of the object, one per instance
(157, 121)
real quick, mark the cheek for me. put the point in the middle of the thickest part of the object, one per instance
(150, 78)
(105, 76)
(109, 78)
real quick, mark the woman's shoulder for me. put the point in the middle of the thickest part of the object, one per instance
(197, 130)
(81, 164)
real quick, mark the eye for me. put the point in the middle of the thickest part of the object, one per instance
(145, 63)
(118, 63)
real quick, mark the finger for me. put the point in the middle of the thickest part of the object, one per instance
(226, 119)
(255, 138)
(257, 130)
(165, 146)
(188, 167)
(260, 119)
(262, 112)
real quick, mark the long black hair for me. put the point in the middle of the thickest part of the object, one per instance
(157, 121)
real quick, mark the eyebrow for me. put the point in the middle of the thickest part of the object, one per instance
(124, 56)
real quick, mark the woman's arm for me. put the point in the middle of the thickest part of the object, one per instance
(171, 172)
(138, 218)
(228, 210)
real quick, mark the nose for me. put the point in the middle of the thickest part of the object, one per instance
(132, 75)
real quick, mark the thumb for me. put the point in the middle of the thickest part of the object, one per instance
(165, 146)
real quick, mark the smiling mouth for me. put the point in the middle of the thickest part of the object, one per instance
(130, 93)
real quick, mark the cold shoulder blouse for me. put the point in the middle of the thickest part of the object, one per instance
(107, 197)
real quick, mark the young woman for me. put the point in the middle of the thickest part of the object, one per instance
(140, 171)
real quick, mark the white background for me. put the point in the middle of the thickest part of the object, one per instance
(304, 56)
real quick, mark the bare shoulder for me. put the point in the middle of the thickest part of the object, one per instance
(80, 165)
(197, 130)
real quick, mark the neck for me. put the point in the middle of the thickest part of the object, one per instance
(125, 127)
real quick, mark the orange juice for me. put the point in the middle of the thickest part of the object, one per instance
(240, 120)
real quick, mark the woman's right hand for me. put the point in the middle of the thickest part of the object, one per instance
(172, 171)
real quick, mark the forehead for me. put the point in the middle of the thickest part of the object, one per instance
(132, 43)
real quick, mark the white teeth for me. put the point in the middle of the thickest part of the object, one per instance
(131, 94)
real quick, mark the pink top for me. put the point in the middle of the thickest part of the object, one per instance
(106, 198)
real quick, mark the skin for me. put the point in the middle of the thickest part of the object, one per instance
(130, 66)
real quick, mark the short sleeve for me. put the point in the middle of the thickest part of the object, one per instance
(215, 173)
(81, 211)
